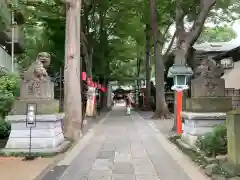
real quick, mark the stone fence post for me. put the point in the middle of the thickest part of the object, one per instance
(233, 136)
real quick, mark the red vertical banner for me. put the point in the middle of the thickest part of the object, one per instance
(179, 111)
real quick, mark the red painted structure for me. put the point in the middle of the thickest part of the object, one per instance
(179, 111)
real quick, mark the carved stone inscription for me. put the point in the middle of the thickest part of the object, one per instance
(203, 87)
(207, 80)
(30, 89)
(211, 85)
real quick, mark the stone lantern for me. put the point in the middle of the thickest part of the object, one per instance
(180, 75)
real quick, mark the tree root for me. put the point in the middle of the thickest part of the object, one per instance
(162, 114)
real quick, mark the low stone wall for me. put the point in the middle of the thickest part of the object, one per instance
(197, 124)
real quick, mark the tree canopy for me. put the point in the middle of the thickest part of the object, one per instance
(115, 32)
(217, 34)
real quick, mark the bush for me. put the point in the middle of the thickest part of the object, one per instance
(5, 129)
(6, 100)
(9, 89)
(215, 142)
(10, 83)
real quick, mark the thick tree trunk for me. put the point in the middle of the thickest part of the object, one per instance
(72, 80)
(66, 122)
(148, 83)
(161, 107)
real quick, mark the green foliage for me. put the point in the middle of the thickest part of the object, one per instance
(215, 142)
(9, 89)
(114, 29)
(10, 82)
(5, 129)
(44, 31)
(217, 34)
(6, 100)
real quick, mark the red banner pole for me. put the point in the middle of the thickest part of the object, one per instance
(179, 111)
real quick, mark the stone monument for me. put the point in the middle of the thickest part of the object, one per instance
(36, 87)
(208, 105)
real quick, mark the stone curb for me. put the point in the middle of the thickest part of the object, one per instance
(65, 158)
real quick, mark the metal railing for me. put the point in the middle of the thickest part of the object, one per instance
(6, 62)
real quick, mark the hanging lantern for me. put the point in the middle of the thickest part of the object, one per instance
(84, 76)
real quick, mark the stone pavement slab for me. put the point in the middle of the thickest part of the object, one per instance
(128, 148)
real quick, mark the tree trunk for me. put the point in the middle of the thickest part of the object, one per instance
(66, 122)
(161, 106)
(148, 84)
(72, 77)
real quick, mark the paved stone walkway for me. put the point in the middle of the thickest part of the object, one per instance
(123, 148)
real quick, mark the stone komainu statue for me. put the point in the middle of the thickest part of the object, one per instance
(36, 82)
(209, 69)
(37, 71)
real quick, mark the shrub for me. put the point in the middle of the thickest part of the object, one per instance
(9, 89)
(5, 128)
(10, 83)
(6, 100)
(215, 142)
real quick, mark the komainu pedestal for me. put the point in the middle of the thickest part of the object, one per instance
(47, 136)
(37, 88)
(39, 92)
(207, 106)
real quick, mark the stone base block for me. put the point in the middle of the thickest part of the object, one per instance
(198, 124)
(189, 139)
(46, 135)
(209, 104)
(61, 148)
(44, 106)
